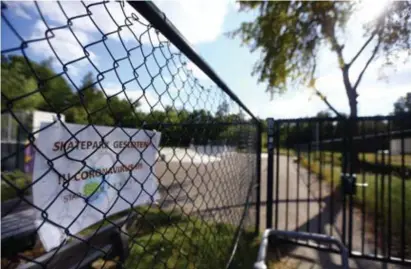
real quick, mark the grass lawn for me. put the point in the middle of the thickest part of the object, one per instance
(330, 157)
(169, 239)
(188, 242)
(376, 200)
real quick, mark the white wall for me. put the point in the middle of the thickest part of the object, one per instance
(395, 146)
(41, 116)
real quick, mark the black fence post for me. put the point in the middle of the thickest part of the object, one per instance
(270, 173)
(258, 174)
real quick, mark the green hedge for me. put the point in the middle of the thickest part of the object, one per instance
(16, 178)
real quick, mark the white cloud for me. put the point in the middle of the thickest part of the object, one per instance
(197, 72)
(148, 100)
(63, 43)
(377, 98)
(89, 22)
(198, 21)
(374, 100)
(298, 104)
(103, 18)
(19, 9)
(369, 9)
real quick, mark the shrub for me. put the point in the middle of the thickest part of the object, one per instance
(14, 182)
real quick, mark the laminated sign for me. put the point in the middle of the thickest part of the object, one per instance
(80, 178)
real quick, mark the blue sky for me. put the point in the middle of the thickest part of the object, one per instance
(203, 24)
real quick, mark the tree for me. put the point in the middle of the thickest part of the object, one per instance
(37, 82)
(403, 105)
(290, 34)
(28, 85)
(402, 109)
(56, 91)
(15, 84)
(222, 109)
(324, 114)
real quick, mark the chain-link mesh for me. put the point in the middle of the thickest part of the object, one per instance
(77, 66)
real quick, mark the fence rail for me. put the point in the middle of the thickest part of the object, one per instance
(108, 78)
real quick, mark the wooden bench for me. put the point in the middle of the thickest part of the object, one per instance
(19, 233)
(108, 243)
(18, 229)
(16, 205)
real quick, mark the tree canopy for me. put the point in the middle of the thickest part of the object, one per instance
(402, 108)
(27, 85)
(403, 105)
(290, 34)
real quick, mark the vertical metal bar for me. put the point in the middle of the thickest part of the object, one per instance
(277, 174)
(298, 179)
(288, 178)
(309, 181)
(258, 174)
(344, 171)
(376, 198)
(353, 162)
(383, 234)
(320, 149)
(389, 187)
(270, 173)
(332, 188)
(402, 194)
(363, 191)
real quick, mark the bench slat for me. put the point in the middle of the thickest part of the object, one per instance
(17, 224)
(71, 254)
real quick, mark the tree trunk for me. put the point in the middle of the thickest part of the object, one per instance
(351, 92)
(352, 161)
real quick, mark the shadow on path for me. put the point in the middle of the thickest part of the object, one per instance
(320, 223)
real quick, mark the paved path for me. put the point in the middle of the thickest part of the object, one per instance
(307, 204)
(211, 189)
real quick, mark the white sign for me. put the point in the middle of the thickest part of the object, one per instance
(96, 177)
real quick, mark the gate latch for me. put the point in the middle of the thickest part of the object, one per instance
(349, 184)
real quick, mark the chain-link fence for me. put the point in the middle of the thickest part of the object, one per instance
(122, 147)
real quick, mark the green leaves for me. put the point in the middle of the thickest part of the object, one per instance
(15, 84)
(45, 90)
(30, 85)
(39, 90)
(394, 30)
(289, 35)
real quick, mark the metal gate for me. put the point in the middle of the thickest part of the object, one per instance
(350, 179)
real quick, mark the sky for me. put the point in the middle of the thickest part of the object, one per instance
(76, 47)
